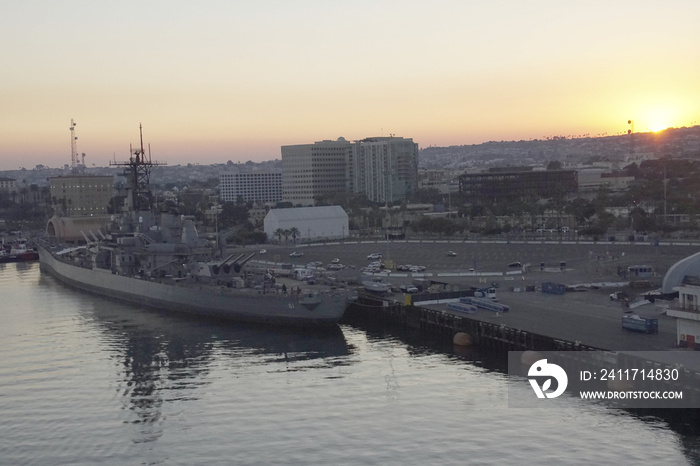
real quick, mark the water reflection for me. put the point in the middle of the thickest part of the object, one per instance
(19, 266)
(166, 359)
(684, 422)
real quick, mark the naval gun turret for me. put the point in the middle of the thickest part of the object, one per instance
(238, 264)
(223, 265)
(227, 264)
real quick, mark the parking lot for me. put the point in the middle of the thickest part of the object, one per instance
(587, 316)
(569, 263)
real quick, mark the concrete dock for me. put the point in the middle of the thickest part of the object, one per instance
(588, 318)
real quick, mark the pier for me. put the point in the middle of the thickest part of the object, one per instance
(536, 321)
(545, 313)
(575, 323)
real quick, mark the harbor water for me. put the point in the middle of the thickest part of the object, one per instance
(86, 380)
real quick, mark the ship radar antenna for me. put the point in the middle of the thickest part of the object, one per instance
(141, 137)
(137, 171)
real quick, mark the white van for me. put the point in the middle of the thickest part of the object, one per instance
(303, 274)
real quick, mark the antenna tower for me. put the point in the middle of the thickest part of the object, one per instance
(73, 146)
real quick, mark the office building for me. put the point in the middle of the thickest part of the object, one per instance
(503, 185)
(385, 169)
(310, 170)
(257, 187)
(81, 195)
(8, 184)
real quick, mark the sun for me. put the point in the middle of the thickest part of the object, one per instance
(656, 127)
(656, 120)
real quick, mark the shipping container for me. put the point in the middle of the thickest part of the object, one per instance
(640, 324)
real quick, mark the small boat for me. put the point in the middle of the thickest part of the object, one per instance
(18, 252)
(376, 287)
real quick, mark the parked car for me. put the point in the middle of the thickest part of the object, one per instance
(296, 254)
(451, 254)
(374, 256)
(619, 296)
(409, 288)
(335, 261)
(263, 251)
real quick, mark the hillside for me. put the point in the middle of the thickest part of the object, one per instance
(672, 142)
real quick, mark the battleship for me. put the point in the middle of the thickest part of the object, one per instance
(152, 256)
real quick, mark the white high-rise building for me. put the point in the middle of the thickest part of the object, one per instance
(385, 168)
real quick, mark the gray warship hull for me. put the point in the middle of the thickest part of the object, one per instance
(316, 309)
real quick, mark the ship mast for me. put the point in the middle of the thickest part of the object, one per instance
(137, 171)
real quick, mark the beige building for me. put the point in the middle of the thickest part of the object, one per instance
(592, 179)
(8, 184)
(81, 195)
(309, 170)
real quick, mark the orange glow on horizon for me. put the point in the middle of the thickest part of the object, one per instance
(206, 92)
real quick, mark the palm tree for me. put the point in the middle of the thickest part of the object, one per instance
(294, 231)
(46, 194)
(34, 190)
(24, 191)
(279, 233)
(286, 234)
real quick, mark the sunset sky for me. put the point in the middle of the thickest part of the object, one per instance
(213, 81)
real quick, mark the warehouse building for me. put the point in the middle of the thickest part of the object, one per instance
(327, 222)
